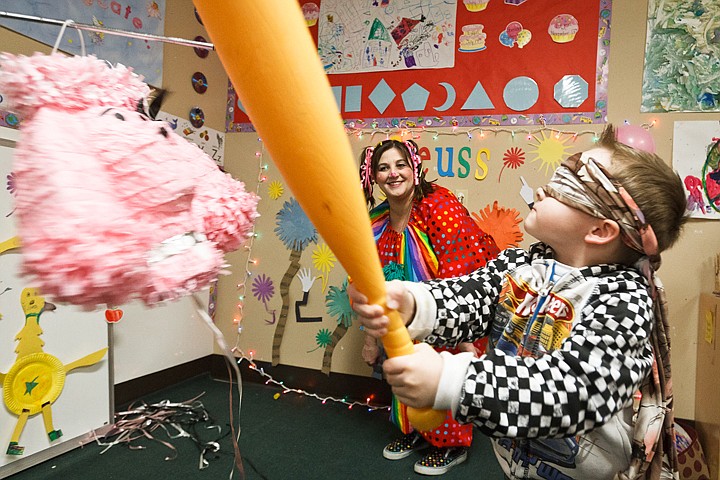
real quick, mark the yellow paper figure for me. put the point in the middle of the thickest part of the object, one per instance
(10, 244)
(36, 379)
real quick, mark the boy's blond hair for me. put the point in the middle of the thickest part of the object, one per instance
(655, 187)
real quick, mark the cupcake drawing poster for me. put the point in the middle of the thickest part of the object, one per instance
(434, 63)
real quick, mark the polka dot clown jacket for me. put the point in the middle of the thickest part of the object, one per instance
(441, 240)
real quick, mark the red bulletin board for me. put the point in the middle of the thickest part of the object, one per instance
(553, 67)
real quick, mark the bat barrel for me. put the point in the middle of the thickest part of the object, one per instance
(272, 62)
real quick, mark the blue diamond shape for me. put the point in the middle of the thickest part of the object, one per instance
(382, 95)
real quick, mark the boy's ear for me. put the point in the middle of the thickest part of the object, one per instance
(603, 232)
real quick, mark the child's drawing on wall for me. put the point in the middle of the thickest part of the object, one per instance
(696, 158)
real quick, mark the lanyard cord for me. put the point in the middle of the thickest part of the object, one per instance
(544, 293)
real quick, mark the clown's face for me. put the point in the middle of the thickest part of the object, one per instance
(394, 176)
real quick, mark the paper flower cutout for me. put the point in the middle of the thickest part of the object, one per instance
(294, 228)
(501, 224)
(275, 190)
(323, 260)
(263, 288)
(322, 339)
(513, 158)
(338, 305)
(11, 187)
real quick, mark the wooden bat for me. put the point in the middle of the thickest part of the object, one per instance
(272, 62)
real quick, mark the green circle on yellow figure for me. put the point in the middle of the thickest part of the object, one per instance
(33, 381)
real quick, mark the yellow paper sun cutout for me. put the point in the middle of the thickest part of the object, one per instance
(33, 381)
(550, 150)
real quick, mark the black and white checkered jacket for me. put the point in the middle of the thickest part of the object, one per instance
(568, 350)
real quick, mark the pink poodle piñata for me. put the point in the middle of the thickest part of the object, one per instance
(111, 205)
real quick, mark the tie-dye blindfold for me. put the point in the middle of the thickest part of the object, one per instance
(586, 185)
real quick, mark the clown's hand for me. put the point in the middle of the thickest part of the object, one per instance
(415, 378)
(370, 350)
(305, 279)
(372, 316)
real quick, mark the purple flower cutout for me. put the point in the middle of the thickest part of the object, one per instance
(263, 288)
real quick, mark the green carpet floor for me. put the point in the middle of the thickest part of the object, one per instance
(290, 437)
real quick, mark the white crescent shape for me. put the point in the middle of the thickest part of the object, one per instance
(450, 97)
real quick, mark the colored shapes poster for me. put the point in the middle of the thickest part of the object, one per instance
(433, 63)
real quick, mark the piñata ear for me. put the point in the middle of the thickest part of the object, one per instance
(156, 102)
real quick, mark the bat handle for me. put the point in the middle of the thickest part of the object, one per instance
(397, 342)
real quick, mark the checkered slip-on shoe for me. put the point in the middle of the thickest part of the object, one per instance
(440, 460)
(404, 446)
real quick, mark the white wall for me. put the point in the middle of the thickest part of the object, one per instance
(68, 334)
(148, 340)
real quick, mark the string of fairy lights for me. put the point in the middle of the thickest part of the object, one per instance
(269, 380)
(474, 132)
(252, 236)
(240, 311)
(479, 133)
